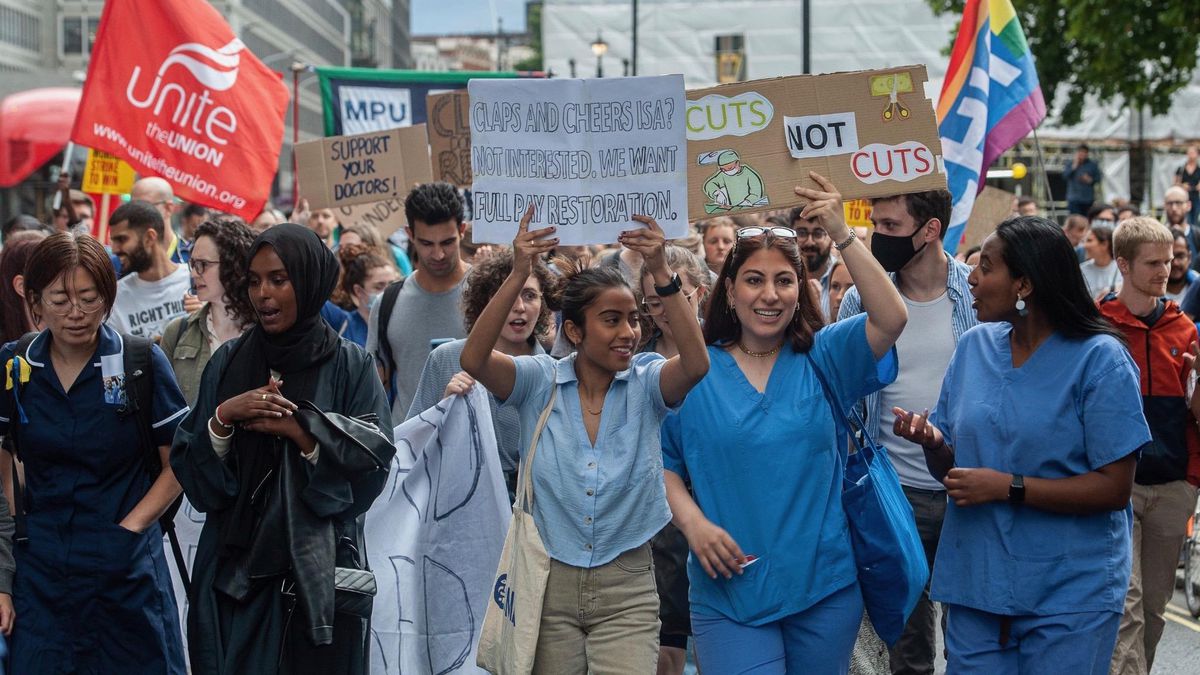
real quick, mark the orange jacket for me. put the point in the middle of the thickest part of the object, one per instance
(1158, 352)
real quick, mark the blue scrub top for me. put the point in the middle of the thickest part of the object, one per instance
(767, 467)
(355, 328)
(1071, 408)
(593, 502)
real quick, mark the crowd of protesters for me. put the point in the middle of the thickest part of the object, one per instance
(1034, 393)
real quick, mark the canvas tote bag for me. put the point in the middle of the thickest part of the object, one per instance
(508, 641)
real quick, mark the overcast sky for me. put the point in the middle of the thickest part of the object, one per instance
(440, 17)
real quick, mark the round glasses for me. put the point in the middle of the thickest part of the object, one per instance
(200, 266)
(63, 307)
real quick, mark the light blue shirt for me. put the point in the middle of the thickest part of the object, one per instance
(1072, 407)
(767, 467)
(592, 503)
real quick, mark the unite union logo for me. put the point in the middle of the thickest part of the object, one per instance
(194, 123)
(505, 598)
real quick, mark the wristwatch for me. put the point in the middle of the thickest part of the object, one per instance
(1016, 489)
(672, 287)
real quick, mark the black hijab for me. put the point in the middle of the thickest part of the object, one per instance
(296, 353)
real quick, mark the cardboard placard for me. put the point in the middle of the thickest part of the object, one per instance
(872, 133)
(588, 154)
(857, 212)
(107, 174)
(449, 129)
(372, 167)
(992, 207)
(386, 216)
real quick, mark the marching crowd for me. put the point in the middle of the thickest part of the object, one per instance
(683, 401)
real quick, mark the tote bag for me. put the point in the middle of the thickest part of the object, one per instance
(508, 641)
(892, 570)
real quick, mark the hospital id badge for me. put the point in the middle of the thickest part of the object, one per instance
(112, 370)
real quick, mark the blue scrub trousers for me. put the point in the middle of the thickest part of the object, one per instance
(815, 642)
(1080, 643)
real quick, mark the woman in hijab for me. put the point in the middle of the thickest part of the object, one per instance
(267, 452)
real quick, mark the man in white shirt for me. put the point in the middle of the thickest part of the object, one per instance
(152, 294)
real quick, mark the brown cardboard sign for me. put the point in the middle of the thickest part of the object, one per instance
(992, 207)
(873, 133)
(372, 167)
(448, 123)
(386, 216)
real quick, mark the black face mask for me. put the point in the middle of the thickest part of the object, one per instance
(893, 253)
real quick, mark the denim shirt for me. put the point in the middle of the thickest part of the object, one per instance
(962, 319)
(592, 503)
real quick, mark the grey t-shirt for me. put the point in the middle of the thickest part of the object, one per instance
(419, 316)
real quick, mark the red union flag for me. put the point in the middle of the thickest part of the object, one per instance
(171, 90)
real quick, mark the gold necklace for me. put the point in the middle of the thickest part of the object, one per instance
(758, 355)
(593, 412)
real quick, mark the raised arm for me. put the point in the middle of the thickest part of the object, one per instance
(681, 372)
(495, 370)
(886, 313)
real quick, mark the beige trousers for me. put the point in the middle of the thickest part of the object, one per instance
(603, 619)
(1160, 515)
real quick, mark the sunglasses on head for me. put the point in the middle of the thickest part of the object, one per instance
(758, 230)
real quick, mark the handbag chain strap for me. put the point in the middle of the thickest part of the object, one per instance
(526, 469)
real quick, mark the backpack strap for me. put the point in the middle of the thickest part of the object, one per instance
(139, 389)
(13, 444)
(387, 305)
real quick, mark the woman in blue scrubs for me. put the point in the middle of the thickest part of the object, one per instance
(1037, 433)
(774, 586)
(92, 589)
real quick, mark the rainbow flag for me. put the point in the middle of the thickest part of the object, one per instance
(990, 100)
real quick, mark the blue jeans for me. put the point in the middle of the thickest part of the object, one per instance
(978, 642)
(815, 641)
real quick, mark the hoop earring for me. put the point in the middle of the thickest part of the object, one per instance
(1021, 310)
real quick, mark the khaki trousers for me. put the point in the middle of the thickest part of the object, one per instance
(1160, 515)
(603, 619)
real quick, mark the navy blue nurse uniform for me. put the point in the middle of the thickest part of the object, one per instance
(90, 595)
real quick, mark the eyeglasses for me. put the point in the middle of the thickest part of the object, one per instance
(777, 230)
(1174, 202)
(200, 265)
(654, 305)
(817, 234)
(63, 307)
(529, 295)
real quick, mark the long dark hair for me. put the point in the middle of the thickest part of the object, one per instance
(720, 323)
(233, 239)
(1036, 249)
(582, 282)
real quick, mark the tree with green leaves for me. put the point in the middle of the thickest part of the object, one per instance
(1136, 53)
(533, 26)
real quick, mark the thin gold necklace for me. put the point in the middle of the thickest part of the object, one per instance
(758, 355)
(593, 412)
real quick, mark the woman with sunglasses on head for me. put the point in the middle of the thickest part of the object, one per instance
(92, 591)
(774, 585)
(216, 263)
(597, 477)
(1036, 437)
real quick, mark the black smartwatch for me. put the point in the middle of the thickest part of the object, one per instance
(673, 287)
(1016, 489)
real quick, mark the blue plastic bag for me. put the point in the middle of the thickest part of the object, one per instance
(892, 570)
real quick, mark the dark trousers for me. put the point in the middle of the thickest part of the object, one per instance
(914, 651)
(1080, 207)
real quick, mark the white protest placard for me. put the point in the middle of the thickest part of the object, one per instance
(588, 154)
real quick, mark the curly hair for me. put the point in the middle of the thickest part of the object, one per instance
(357, 262)
(485, 279)
(233, 240)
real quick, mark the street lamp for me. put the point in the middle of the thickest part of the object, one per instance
(599, 47)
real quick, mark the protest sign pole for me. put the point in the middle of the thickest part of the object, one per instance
(1037, 144)
(66, 163)
(102, 221)
(297, 67)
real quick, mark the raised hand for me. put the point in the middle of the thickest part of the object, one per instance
(649, 241)
(825, 206)
(528, 246)
(915, 427)
(460, 384)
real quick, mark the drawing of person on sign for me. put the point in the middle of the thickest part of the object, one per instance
(734, 185)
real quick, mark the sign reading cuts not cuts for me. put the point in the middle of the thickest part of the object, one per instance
(588, 154)
(872, 133)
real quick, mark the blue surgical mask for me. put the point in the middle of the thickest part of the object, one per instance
(373, 299)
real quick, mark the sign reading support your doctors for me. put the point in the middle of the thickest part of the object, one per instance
(588, 154)
(373, 167)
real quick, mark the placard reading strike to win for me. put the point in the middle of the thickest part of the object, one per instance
(588, 154)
